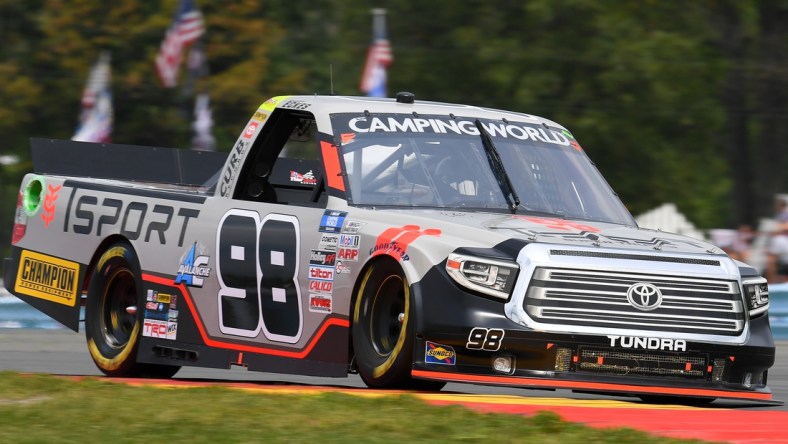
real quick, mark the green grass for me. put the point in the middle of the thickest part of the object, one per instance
(37, 408)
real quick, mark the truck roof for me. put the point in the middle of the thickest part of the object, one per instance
(403, 103)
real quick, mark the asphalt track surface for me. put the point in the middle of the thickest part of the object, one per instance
(63, 352)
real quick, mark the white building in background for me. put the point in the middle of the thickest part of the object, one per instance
(667, 217)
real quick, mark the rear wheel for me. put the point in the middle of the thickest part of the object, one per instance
(113, 316)
(383, 330)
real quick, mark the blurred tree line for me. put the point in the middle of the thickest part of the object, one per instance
(675, 101)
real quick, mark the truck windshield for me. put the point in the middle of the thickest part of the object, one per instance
(441, 162)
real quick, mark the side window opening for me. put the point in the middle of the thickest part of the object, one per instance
(284, 165)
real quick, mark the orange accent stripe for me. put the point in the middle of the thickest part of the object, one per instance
(239, 347)
(550, 383)
(240, 357)
(333, 169)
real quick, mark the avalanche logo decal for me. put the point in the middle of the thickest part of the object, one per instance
(439, 354)
(193, 270)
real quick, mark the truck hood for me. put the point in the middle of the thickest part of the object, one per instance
(552, 230)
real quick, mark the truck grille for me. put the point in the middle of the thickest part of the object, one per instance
(593, 298)
(641, 363)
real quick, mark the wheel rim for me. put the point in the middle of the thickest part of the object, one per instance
(117, 325)
(388, 307)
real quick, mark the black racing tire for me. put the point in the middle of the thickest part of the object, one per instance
(112, 333)
(383, 330)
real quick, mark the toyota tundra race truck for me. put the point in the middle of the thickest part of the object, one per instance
(415, 243)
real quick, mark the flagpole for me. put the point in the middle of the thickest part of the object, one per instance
(379, 57)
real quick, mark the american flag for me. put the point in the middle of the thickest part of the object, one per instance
(95, 121)
(379, 57)
(187, 27)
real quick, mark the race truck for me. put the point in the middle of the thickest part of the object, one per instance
(414, 243)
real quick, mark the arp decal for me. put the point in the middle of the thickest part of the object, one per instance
(332, 221)
(132, 219)
(439, 354)
(49, 204)
(47, 277)
(485, 339)
(394, 241)
(193, 269)
(348, 254)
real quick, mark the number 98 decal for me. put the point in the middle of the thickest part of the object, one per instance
(257, 268)
(485, 339)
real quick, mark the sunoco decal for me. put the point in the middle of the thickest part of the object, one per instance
(439, 354)
(47, 277)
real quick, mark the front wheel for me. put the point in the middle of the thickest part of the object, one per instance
(383, 330)
(113, 316)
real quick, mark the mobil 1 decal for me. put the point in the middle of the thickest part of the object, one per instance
(348, 125)
(257, 268)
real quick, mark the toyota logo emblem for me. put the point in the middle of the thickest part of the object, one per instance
(644, 296)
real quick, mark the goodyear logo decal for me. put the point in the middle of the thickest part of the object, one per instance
(439, 354)
(47, 277)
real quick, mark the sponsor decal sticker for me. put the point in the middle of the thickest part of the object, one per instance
(332, 221)
(194, 268)
(328, 242)
(648, 343)
(307, 178)
(348, 254)
(320, 257)
(47, 277)
(349, 240)
(250, 130)
(164, 298)
(320, 303)
(341, 268)
(353, 226)
(154, 328)
(172, 330)
(394, 241)
(321, 286)
(321, 273)
(439, 354)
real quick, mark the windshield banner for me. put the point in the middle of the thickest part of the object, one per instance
(407, 123)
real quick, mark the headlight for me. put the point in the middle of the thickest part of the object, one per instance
(756, 293)
(488, 276)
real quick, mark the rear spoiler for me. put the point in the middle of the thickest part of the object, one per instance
(125, 162)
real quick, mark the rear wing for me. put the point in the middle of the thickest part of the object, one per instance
(126, 162)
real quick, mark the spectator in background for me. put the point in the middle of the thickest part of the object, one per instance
(781, 210)
(777, 255)
(740, 247)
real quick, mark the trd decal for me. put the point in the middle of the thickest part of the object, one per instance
(257, 268)
(49, 204)
(394, 241)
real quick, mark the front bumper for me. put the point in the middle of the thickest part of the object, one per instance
(459, 337)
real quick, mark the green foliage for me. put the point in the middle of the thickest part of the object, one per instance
(46, 409)
(644, 85)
